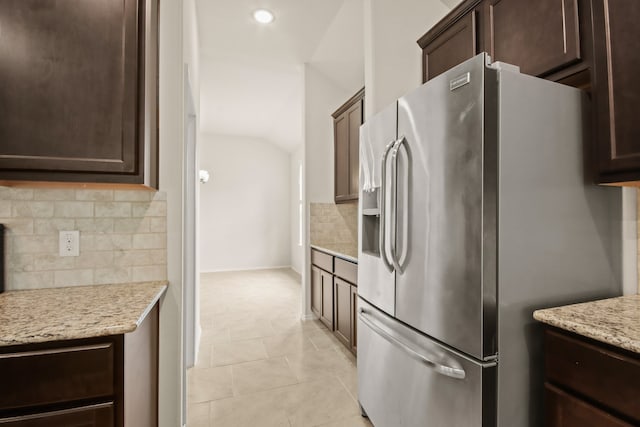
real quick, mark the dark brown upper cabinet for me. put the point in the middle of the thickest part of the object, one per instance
(616, 90)
(453, 46)
(588, 44)
(346, 134)
(78, 98)
(539, 36)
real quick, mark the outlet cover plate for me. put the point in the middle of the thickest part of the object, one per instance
(69, 243)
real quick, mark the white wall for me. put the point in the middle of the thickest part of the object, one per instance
(171, 138)
(245, 206)
(392, 57)
(334, 74)
(176, 49)
(296, 248)
(192, 49)
(322, 97)
(191, 291)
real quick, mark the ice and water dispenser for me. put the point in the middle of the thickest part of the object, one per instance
(371, 222)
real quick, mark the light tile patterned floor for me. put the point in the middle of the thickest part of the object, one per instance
(260, 366)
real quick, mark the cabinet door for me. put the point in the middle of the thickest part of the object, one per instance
(347, 143)
(607, 376)
(341, 135)
(342, 307)
(565, 410)
(454, 46)
(354, 319)
(88, 416)
(73, 109)
(538, 36)
(355, 120)
(327, 299)
(616, 89)
(346, 133)
(316, 291)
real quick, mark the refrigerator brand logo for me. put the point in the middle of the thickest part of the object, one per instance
(460, 81)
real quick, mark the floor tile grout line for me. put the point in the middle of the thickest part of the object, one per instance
(355, 398)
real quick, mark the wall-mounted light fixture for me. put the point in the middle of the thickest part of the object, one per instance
(204, 176)
(263, 16)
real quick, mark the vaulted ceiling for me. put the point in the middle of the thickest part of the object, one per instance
(251, 75)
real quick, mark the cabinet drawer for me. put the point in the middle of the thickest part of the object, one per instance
(346, 270)
(605, 376)
(55, 375)
(86, 416)
(322, 260)
(564, 410)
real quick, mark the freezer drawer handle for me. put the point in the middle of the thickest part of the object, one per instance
(439, 368)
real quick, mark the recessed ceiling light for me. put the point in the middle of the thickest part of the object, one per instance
(263, 16)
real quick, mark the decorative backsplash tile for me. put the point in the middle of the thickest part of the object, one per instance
(335, 226)
(123, 236)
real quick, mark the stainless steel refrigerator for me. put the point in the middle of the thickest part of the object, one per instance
(475, 210)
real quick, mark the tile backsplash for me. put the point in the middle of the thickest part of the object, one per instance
(335, 226)
(123, 236)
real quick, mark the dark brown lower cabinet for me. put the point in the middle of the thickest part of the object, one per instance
(88, 416)
(316, 291)
(354, 319)
(94, 382)
(334, 295)
(565, 410)
(588, 383)
(342, 304)
(346, 313)
(326, 316)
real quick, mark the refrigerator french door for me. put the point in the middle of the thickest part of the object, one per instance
(422, 273)
(432, 265)
(374, 227)
(445, 187)
(474, 212)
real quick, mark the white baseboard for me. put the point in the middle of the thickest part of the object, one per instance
(271, 267)
(309, 317)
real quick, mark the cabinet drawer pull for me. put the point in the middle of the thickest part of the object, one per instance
(20, 418)
(55, 351)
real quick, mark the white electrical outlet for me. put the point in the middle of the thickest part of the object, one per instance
(69, 243)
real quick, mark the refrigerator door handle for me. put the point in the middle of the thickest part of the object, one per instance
(457, 373)
(383, 209)
(395, 259)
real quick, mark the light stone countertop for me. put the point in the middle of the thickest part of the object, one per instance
(41, 315)
(614, 321)
(341, 251)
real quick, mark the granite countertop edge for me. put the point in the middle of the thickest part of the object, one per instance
(335, 253)
(613, 321)
(101, 313)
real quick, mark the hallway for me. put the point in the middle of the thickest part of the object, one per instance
(259, 365)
